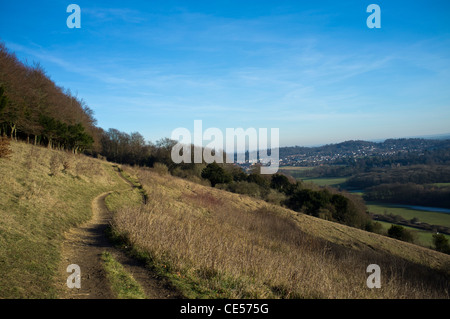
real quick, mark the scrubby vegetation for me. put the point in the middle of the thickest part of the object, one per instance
(216, 244)
(279, 189)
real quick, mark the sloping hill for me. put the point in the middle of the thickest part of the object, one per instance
(213, 243)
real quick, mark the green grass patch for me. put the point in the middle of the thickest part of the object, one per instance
(299, 174)
(126, 198)
(326, 181)
(122, 283)
(132, 179)
(135, 182)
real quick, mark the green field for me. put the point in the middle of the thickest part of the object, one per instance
(431, 218)
(424, 238)
(326, 181)
(297, 172)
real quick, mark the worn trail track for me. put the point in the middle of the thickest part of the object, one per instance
(84, 246)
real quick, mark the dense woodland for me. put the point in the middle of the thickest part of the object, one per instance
(35, 109)
(410, 194)
(417, 174)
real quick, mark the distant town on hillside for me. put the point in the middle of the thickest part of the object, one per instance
(417, 150)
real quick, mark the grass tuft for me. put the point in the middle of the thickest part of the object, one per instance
(123, 285)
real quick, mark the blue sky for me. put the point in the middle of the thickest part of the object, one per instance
(313, 69)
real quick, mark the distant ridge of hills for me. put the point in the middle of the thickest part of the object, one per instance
(388, 145)
(444, 136)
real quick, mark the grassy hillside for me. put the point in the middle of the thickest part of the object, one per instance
(43, 193)
(210, 243)
(216, 244)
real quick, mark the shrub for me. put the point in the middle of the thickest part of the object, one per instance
(441, 243)
(275, 197)
(161, 169)
(245, 188)
(216, 174)
(5, 150)
(400, 233)
(198, 180)
(280, 183)
(55, 162)
(374, 227)
(67, 164)
(258, 179)
(33, 157)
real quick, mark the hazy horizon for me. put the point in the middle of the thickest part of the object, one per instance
(312, 69)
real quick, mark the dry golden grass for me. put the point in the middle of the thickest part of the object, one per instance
(216, 244)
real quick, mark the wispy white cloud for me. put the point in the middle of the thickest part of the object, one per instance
(46, 56)
(191, 65)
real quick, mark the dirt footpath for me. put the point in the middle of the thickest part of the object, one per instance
(84, 246)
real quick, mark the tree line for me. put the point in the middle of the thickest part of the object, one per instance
(34, 108)
(409, 194)
(417, 174)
